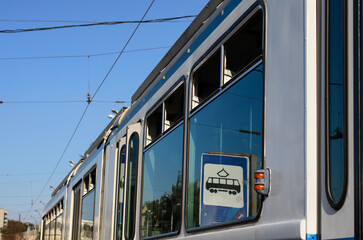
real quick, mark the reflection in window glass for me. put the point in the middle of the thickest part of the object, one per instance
(52, 230)
(46, 230)
(132, 180)
(121, 180)
(336, 99)
(162, 186)
(76, 211)
(88, 203)
(227, 131)
(58, 229)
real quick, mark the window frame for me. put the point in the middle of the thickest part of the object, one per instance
(83, 195)
(180, 83)
(336, 205)
(249, 14)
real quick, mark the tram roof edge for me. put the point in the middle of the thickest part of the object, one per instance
(207, 11)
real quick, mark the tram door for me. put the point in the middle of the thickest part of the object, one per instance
(131, 196)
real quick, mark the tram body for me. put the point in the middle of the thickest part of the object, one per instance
(267, 87)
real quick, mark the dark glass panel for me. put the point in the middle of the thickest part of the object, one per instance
(88, 205)
(231, 125)
(162, 186)
(132, 191)
(336, 99)
(121, 180)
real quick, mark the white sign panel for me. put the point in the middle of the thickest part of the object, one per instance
(223, 185)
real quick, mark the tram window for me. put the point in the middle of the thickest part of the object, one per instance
(154, 125)
(166, 115)
(76, 210)
(225, 133)
(162, 185)
(131, 188)
(46, 229)
(59, 221)
(52, 229)
(86, 184)
(121, 182)
(92, 179)
(336, 106)
(243, 47)
(206, 79)
(174, 107)
(88, 204)
(59, 224)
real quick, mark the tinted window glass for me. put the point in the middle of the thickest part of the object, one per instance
(52, 230)
(59, 224)
(88, 204)
(336, 111)
(76, 210)
(226, 144)
(162, 185)
(121, 182)
(132, 180)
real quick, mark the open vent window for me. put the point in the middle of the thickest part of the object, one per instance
(154, 125)
(174, 108)
(166, 115)
(206, 79)
(228, 61)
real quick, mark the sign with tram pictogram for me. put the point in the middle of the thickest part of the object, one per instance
(224, 188)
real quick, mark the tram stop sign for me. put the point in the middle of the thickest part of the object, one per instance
(224, 195)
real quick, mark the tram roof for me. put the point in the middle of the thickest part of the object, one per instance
(178, 45)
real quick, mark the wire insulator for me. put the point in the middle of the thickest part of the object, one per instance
(88, 98)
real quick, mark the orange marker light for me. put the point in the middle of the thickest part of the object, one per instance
(260, 187)
(259, 175)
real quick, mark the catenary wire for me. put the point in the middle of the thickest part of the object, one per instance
(158, 20)
(60, 101)
(84, 112)
(82, 55)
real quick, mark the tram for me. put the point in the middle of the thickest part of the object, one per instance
(248, 128)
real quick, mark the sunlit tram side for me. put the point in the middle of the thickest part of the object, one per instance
(248, 128)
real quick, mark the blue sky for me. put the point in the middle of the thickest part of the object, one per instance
(33, 136)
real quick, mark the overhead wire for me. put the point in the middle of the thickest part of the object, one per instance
(158, 20)
(82, 55)
(85, 110)
(60, 101)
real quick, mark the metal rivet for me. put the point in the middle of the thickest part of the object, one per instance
(187, 74)
(188, 51)
(163, 77)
